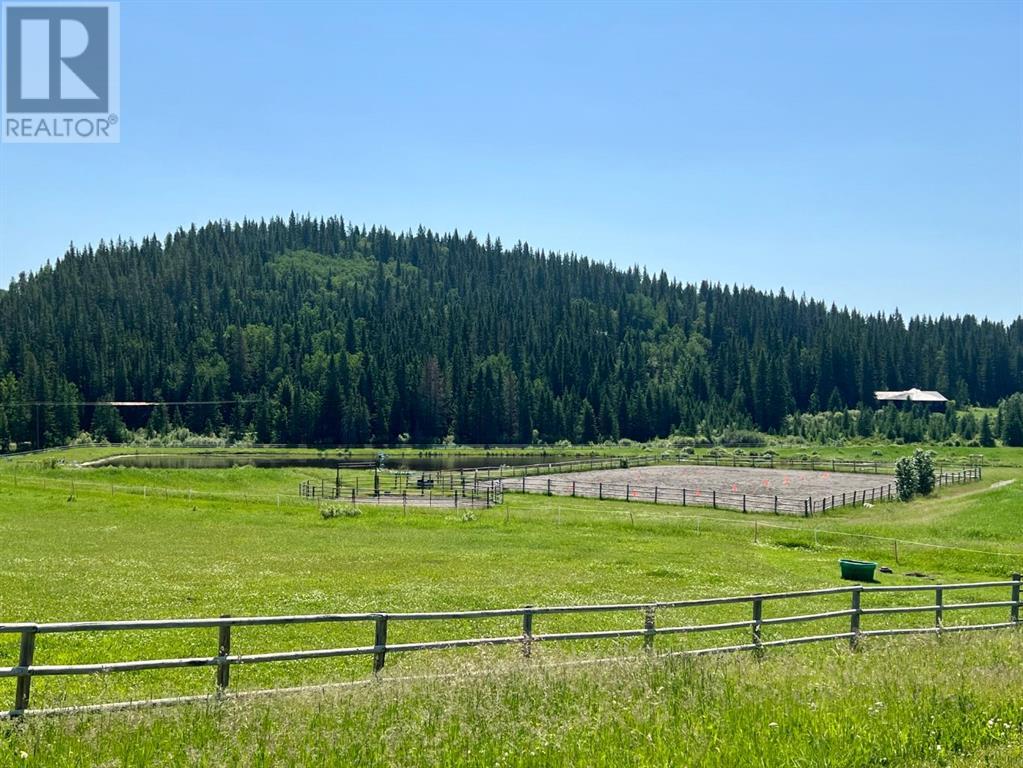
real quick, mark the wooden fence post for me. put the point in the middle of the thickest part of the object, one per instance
(1014, 610)
(758, 614)
(649, 630)
(939, 602)
(854, 618)
(25, 654)
(527, 631)
(380, 643)
(714, 498)
(223, 651)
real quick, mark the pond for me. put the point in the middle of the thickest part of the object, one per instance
(227, 461)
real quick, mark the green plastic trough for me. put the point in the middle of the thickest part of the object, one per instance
(857, 570)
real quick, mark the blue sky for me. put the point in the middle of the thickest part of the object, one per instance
(866, 154)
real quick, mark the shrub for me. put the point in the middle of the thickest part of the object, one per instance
(734, 437)
(330, 511)
(905, 478)
(923, 468)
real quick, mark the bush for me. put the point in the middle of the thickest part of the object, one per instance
(915, 475)
(923, 468)
(330, 511)
(735, 437)
(905, 478)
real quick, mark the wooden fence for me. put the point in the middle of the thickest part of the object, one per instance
(482, 487)
(812, 464)
(227, 657)
(473, 495)
(745, 502)
(752, 462)
(488, 474)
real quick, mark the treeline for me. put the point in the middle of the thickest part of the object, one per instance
(314, 331)
(913, 425)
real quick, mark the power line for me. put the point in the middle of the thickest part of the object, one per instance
(128, 403)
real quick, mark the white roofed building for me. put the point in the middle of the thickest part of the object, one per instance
(929, 397)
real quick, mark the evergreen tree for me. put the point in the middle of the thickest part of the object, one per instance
(1011, 411)
(987, 437)
(107, 424)
(350, 334)
(586, 426)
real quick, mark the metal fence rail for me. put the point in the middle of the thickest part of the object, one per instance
(226, 657)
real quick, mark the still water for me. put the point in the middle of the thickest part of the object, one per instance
(226, 461)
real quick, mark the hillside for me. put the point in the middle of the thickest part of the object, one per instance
(318, 331)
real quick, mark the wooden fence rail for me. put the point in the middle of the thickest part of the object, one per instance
(474, 496)
(473, 484)
(227, 656)
(660, 494)
(859, 466)
(745, 502)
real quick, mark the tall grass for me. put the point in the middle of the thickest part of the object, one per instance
(958, 701)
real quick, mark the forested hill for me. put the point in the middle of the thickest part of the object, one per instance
(339, 334)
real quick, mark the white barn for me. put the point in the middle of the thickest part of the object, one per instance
(930, 397)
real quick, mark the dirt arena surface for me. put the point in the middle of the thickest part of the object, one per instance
(728, 487)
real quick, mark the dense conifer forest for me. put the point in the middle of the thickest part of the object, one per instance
(315, 331)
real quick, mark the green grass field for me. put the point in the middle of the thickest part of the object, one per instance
(75, 549)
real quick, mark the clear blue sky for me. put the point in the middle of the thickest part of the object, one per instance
(870, 155)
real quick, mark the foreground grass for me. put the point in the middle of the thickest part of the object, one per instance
(954, 702)
(74, 548)
(82, 552)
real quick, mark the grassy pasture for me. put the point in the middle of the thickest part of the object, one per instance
(83, 552)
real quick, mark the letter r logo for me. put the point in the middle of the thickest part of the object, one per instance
(57, 59)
